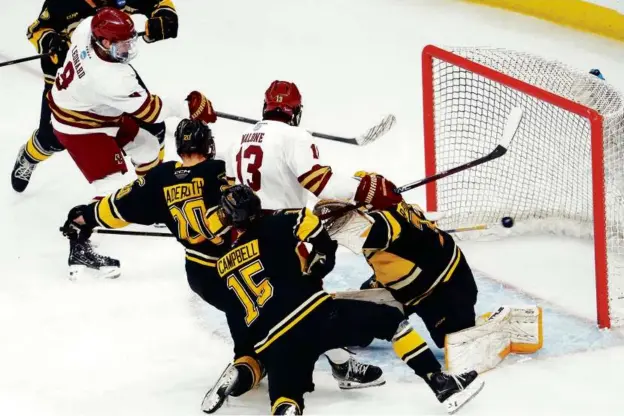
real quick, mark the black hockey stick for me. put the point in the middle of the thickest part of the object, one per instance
(130, 232)
(370, 136)
(29, 58)
(511, 127)
(34, 57)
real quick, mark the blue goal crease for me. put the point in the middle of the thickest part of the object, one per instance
(563, 332)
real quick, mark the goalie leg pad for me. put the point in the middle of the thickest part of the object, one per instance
(510, 329)
(479, 348)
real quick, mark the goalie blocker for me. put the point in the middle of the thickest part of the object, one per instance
(419, 269)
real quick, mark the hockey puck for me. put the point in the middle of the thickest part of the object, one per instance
(507, 222)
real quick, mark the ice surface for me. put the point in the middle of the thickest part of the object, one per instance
(146, 345)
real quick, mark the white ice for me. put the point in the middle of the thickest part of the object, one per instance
(146, 345)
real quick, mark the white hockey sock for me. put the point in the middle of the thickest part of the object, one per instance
(338, 356)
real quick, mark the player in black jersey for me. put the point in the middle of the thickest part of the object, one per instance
(51, 32)
(292, 320)
(185, 197)
(419, 264)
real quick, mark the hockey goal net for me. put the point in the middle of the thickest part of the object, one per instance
(564, 171)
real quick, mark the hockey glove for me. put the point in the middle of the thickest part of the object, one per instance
(322, 259)
(200, 107)
(72, 229)
(377, 191)
(128, 130)
(56, 44)
(163, 25)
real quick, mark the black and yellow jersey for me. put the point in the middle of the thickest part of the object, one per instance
(409, 254)
(63, 16)
(264, 270)
(185, 199)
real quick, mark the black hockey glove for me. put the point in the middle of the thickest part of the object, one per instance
(74, 231)
(322, 259)
(56, 44)
(163, 25)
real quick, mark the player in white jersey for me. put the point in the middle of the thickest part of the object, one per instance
(280, 161)
(98, 97)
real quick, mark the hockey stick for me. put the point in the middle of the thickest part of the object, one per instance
(43, 55)
(370, 136)
(29, 58)
(509, 132)
(129, 232)
(162, 234)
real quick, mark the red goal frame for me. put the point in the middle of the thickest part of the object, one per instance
(431, 52)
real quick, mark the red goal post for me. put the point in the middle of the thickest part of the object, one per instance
(556, 168)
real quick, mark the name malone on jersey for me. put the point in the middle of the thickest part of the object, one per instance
(252, 138)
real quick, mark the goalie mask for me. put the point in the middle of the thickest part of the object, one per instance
(349, 229)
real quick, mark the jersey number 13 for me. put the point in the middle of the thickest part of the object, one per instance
(252, 156)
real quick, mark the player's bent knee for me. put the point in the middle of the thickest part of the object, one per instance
(250, 372)
(286, 406)
(144, 148)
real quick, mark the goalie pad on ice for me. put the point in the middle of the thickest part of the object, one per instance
(510, 329)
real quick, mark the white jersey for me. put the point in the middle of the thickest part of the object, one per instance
(90, 94)
(281, 163)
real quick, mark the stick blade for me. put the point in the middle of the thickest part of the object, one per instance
(511, 126)
(378, 130)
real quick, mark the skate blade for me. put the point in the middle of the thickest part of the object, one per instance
(458, 400)
(217, 395)
(83, 272)
(352, 385)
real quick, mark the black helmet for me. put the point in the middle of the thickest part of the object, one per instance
(241, 205)
(193, 136)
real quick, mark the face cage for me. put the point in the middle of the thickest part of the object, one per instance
(124, 50)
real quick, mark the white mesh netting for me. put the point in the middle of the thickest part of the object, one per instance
(545, 180)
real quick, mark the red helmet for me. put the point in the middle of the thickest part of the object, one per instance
(116, 27)
(283, 97)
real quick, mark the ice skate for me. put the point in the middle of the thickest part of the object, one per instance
(217, 395)
(454, 391)
(22, 171)
(356, 375)
(83, 260)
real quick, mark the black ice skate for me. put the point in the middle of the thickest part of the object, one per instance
(84, 260)
(454, 391)
(217, 395)
(356, 375)
(22, 171)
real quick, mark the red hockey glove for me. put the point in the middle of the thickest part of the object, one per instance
(377, 191)
(200, 107)
(128, 130)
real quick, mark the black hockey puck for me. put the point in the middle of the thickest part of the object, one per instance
(507, 222)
